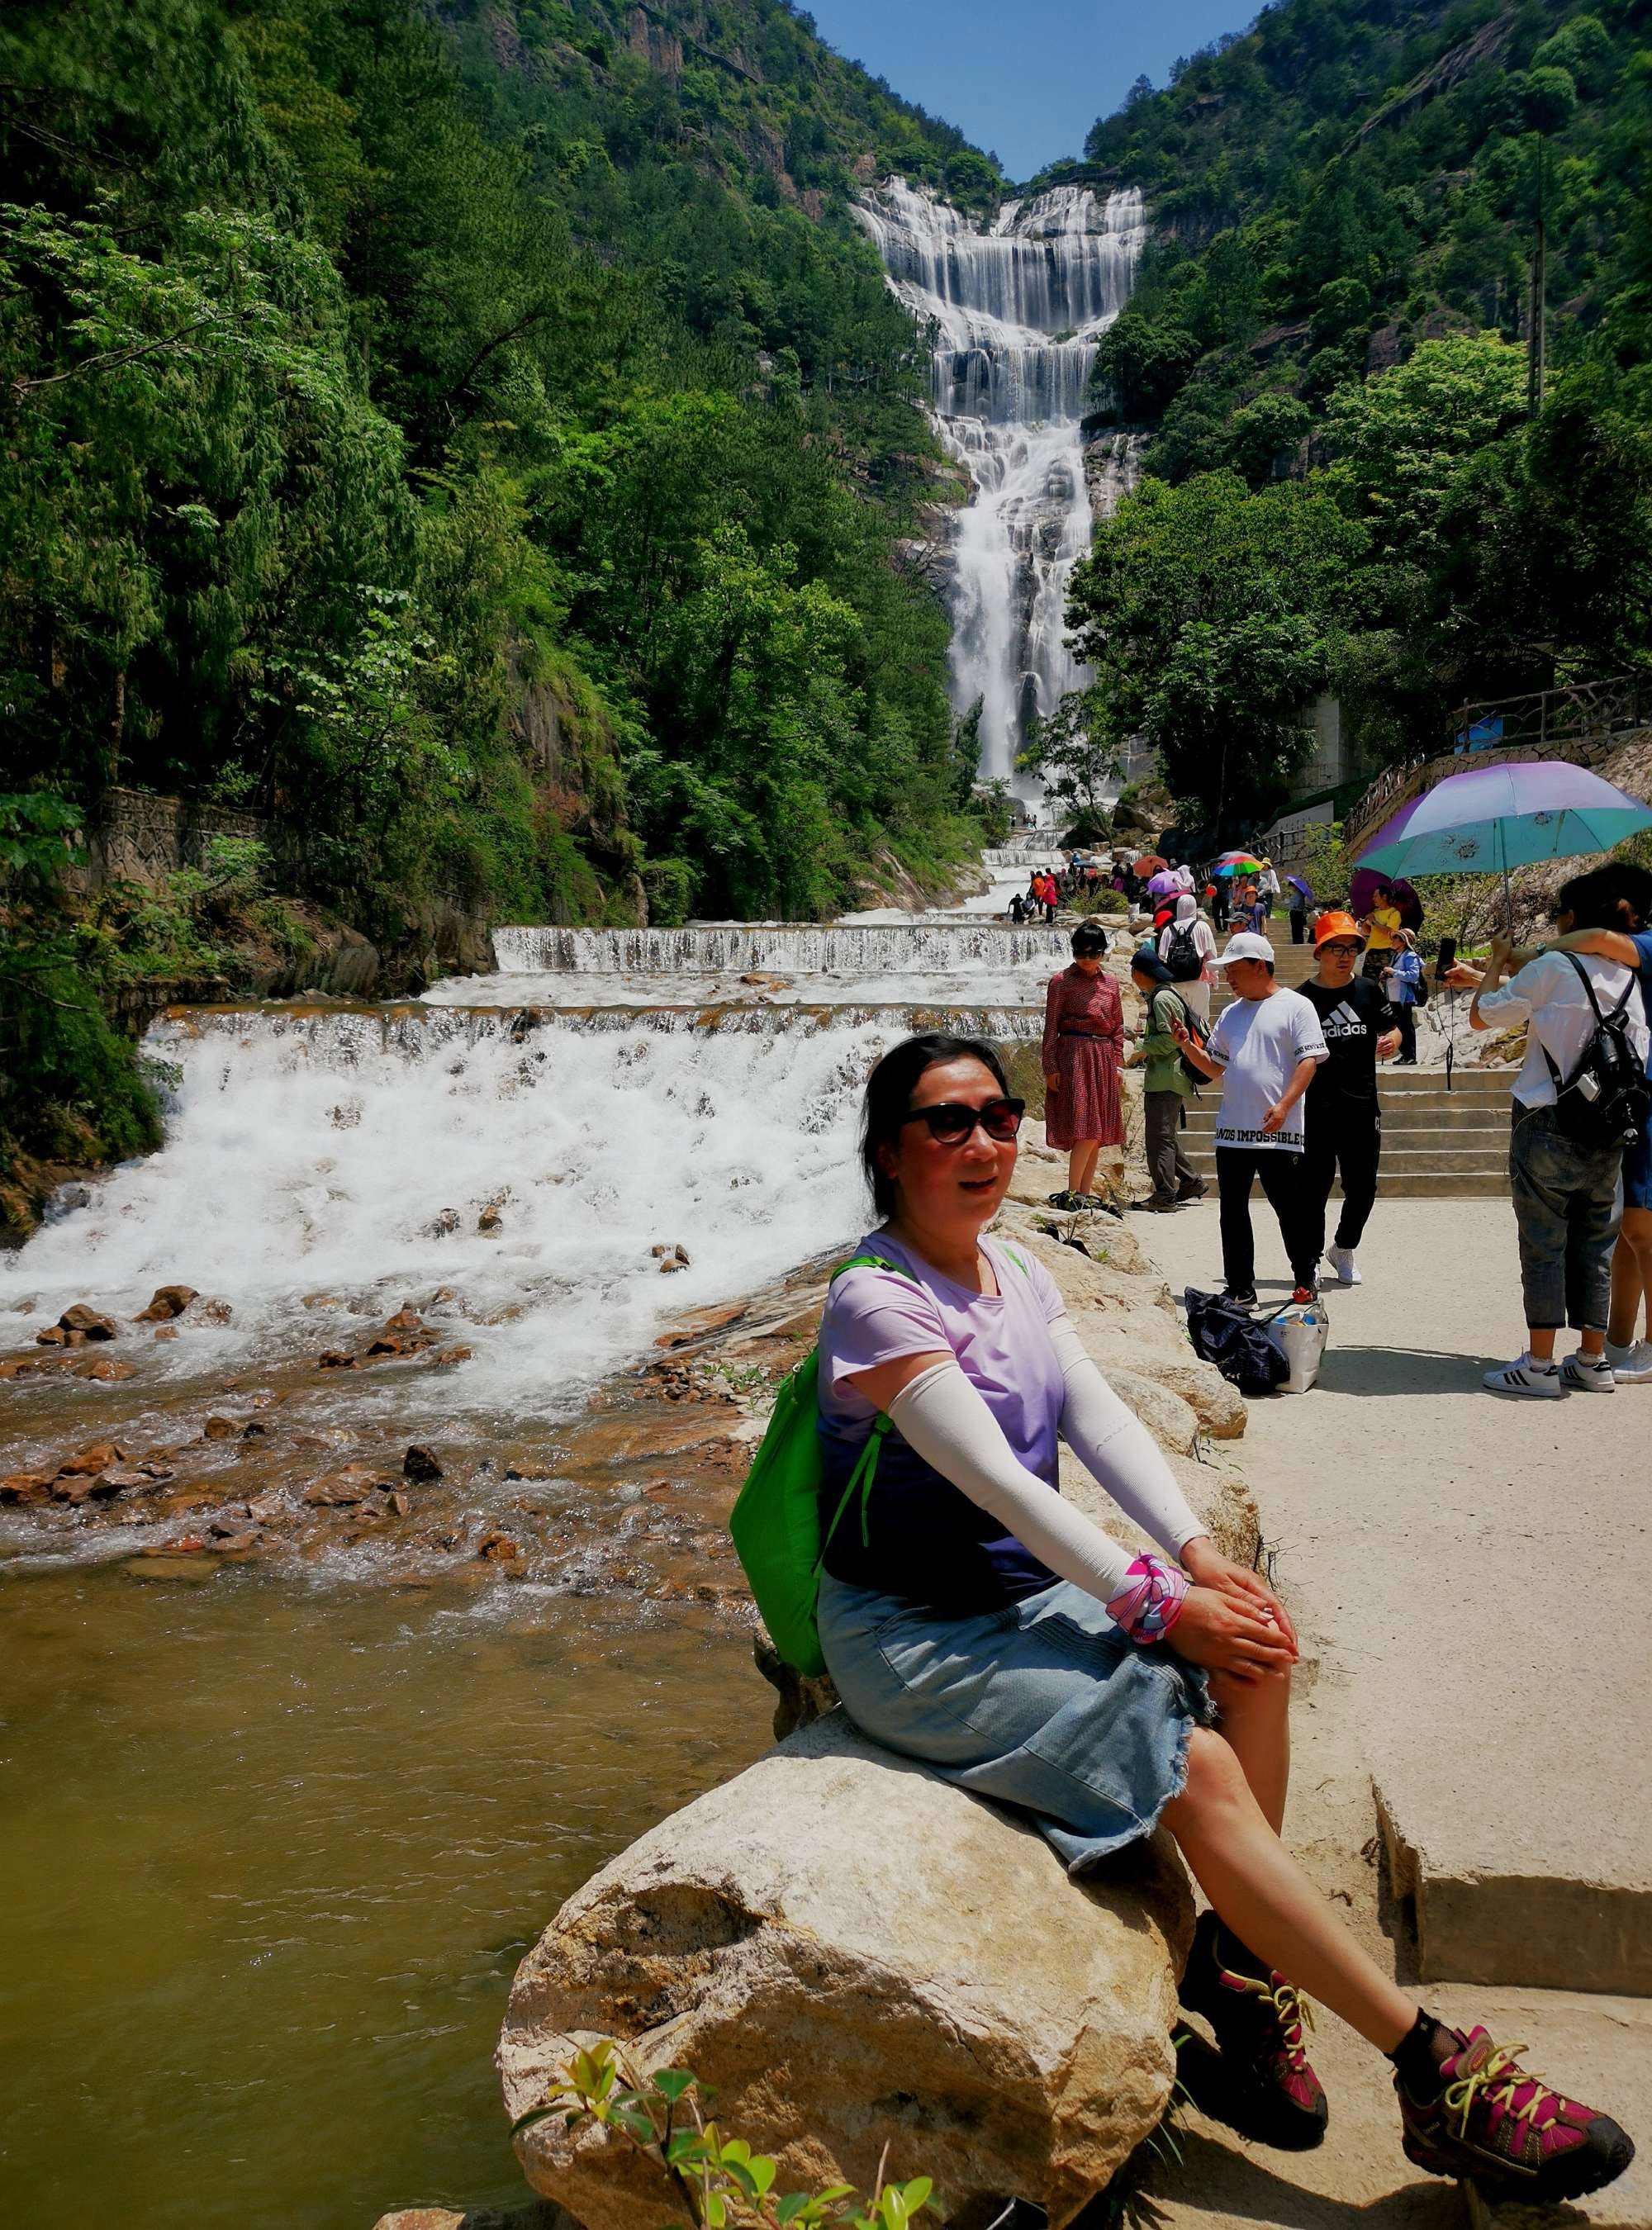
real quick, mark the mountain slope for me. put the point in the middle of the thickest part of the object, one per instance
(1329, 331)
(477, 437)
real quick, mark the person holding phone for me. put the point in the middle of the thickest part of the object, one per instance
(974, 1619)
(1264, 1050)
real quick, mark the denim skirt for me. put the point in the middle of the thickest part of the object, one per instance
(1042, 1705)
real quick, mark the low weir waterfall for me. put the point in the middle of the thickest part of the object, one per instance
(1016, 313)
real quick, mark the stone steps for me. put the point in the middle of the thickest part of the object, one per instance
(1438, 1142)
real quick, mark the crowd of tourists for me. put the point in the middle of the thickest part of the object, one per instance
(1299, 1108)
(973, 1618)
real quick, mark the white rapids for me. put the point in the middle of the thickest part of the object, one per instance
(1016, 313)
(611, 1091)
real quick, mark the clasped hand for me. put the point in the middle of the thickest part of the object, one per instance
(1232, 1621)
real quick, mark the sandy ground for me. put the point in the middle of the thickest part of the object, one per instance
(1470, 1575)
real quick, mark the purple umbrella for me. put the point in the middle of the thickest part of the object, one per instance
(1297, 884)
(1364, 886)
(1163, 884)
(1494, 818)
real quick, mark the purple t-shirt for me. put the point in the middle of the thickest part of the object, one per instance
(1002, 1341)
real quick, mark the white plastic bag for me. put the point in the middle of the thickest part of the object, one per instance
(1300, 1334)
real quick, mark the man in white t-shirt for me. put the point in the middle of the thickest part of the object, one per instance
(1265, 1048)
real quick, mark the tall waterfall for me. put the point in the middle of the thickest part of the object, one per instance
(1016, 313)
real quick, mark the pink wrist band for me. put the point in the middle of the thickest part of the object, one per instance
(1150, 1602)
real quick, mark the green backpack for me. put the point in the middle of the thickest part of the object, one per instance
(776, 1520)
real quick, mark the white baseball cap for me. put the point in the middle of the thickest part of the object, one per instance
(1247, 945)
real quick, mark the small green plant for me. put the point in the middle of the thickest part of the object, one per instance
(719, 2179)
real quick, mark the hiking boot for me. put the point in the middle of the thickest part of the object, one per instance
(1541, 1380)
(1153, 1206)
(1192, 1192)
(1589, 1374)
(1488, 2120)
(1631, 1365)
(1244, 1297)
(1341, 1260)
(1258, 2021)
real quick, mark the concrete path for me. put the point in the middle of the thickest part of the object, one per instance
(1482, 1568)
(1472, 1576)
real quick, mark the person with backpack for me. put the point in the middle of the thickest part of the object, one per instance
(973, 1619)
(1187, 947)
(1626, 890)
(1576, 1106)
(1343, 1124)
(1405, 988)
(1164, 1086)
(1621, 893)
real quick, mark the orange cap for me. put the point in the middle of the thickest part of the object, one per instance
(1336, 925)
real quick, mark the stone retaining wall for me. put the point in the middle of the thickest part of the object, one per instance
(136, 838)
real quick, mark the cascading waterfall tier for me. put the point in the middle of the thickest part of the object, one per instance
(351, 1152)
(869, 950)
(1016, 313)
(1006, 859)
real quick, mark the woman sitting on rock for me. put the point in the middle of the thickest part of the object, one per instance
(973, 1619)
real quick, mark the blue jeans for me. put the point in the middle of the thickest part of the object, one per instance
(1568, 1204)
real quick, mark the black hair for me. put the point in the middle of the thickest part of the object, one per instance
(1088, 937)
(888, 1097)
(1600, 899)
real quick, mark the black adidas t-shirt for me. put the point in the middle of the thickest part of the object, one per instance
(1352, 1020)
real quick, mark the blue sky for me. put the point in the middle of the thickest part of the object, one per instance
(1027, 77)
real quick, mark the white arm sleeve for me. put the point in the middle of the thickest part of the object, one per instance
(944, 1419)
(1117, 1450)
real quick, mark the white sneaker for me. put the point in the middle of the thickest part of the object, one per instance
(1524, 1376)
(1631, 1365)
(1589, 1374)
(1341, 1260)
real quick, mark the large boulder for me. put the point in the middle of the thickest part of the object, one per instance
(854, 1953)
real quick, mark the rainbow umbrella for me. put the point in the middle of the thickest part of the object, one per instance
(1237, 863)
(1492, 819)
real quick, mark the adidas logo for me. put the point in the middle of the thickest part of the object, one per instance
(1342, 1023)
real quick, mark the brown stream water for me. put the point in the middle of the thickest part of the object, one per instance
(272, 1852)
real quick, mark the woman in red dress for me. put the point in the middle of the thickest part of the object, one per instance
(1083, 1047)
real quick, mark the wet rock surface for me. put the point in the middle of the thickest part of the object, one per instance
(628, 1499)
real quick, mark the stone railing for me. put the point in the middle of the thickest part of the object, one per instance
(1578, 723)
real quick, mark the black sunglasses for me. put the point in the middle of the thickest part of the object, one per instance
(952, 1122)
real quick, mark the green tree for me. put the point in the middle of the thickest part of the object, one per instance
(1144, 366)
(1079, 757)
(1212, 616)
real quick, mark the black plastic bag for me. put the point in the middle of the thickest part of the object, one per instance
(1232, 1339)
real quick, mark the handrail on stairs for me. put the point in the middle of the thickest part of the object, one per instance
(1578, 722)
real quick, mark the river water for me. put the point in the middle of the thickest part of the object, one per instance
(282, 1821)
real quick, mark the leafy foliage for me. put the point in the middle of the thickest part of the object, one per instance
(719, 2179)
(475, 438)
(69, 1086)
(1336, 295)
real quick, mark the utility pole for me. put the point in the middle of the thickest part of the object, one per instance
(1538, 341)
